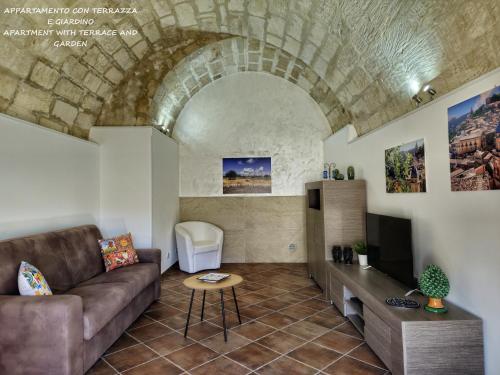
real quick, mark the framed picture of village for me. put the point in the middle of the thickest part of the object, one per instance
(249, 175)
(474, 142)
(405, 168)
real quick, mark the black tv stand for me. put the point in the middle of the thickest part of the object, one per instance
(408, 341)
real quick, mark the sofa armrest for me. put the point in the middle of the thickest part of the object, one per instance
(149, 256)
(41, 335)
(152, 256)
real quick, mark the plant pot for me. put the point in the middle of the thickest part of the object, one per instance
(363, 260)
(435, 305)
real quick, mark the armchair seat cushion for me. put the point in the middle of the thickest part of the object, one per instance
(105, 295)
(205, 246)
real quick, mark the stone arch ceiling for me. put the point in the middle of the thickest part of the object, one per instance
(232, 56)
(372, 54)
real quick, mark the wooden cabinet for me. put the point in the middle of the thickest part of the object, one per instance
(336, 212)
(408, 341)
(335, 291)
(377, 335)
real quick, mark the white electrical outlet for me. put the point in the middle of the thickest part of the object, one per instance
(292, 247)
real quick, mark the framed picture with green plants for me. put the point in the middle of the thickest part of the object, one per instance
(405, 168)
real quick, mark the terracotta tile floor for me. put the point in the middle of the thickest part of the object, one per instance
(287, 329)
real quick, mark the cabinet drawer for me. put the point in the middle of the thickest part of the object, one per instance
(377, 326)
(336, 288)
(339, 303)
(380, 347)
(378, 336)
(336, 293)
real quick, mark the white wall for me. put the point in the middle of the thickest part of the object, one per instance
(125, 174)
(459, 231)
(165, 195)
(126, 183)
(250, 114)
(139, 186)
(48, 180)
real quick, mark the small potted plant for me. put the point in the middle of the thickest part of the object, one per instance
(362, 251)
(350, 172)
(435, 285)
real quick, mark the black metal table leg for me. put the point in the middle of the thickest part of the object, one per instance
(236, 304)
(203, 305)
(189, 314)
(223, 314)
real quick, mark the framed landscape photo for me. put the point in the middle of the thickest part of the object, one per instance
(251, 175)
(474, 142)
(405, 168)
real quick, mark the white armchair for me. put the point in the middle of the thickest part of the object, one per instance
(199, 246)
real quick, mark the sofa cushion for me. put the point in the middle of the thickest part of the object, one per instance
(118, 252)
(105, 295)
(43, 250)
(138, 276)
(82, 253)
(100, 304)
(31, 281)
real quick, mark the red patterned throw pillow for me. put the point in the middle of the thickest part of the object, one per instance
(118, 252)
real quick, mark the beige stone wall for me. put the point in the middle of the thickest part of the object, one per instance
(256, 229)
(226, 119)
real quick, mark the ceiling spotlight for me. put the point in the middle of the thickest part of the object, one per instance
(414, 86)
(417, 99)
(428, 89)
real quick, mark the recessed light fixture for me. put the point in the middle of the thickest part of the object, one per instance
(417, 99)
(429, 90)
(414, 86)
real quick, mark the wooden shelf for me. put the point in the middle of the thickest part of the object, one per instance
(357, 322)
(356, 305)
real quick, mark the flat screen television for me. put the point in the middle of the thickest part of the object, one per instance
(390, 247)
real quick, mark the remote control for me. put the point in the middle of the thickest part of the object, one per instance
(402, 302)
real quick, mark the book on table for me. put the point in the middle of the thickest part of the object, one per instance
(213, 277)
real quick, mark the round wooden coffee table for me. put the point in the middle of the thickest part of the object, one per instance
(195, 284)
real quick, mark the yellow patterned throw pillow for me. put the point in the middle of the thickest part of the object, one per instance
(118, 252)
(31, 282)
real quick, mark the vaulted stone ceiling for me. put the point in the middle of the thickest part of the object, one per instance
(361, 60)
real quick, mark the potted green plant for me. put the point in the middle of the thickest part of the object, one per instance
(362, 251)
(350, 172)
(435, 285)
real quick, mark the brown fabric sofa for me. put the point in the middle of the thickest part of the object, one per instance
(66, 333)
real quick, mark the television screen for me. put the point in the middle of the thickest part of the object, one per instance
(390, 247)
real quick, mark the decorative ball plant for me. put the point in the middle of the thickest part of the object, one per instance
(435, 285)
